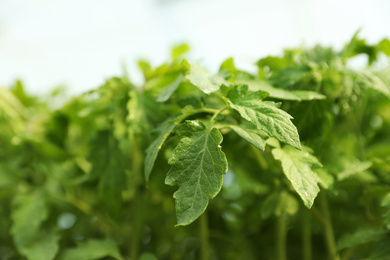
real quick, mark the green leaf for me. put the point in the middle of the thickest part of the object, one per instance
(385, 46)
(283, 94)
(380, 250)
(359, 237)
(92, 250)
(108, 167)
(44, 247)
(264, 114)
(386, 203)
(198, 164)
(367, 79)
(279, 202)
(205, 81)
(297, 166)
(163, 130)
(170, 83)
(352, 168)
(179, 50)
(250, 133)
(30, 211)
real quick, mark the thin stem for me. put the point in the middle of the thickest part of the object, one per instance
(137, 220)
(204, 237)
(281, 237)
(260, 158)
(306, 235)
(218, 112)
(328, 229)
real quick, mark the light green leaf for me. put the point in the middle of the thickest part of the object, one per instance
(367, 79)
(297, 95)
(30, 211)
(45, 247)
(179, 50)
(297, 166)
(92, 250)
(205, 81)
(198, 165)
(250, 133)
(170, 83)
(264, 114)
(385, 46)
(359, 237)
(352, 168)
(278, 203)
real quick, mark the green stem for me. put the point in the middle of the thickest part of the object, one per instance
(137, 219)
(306, 235)
(281, 237)
(260, 158)
(328, 229)
(204, 237)
(218, 112)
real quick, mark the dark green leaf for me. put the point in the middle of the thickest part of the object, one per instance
(359, 237)
(92, 250)
(197, 168)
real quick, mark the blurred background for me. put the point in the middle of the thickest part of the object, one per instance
(79, 43)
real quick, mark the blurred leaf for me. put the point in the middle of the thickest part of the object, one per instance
(179, 50)
(92, 250)
(205, 81)
(278, 203)
(359, 237)
(298, 95)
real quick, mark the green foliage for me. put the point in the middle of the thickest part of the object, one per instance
(291, 162)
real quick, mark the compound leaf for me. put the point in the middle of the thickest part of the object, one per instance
(264, 114)
(297, 166)
(198, 165)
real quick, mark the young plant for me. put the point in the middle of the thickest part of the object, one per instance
(94, 179)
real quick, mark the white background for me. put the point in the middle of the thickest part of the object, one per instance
(79, 43)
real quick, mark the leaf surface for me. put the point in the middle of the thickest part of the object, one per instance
(264, 114)
(163, 130)
(297, 95)
(297, 166)
(205, 81)
(251, 134)
(91, 250)
(30, 211)
(198, 165)
(359, 237)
